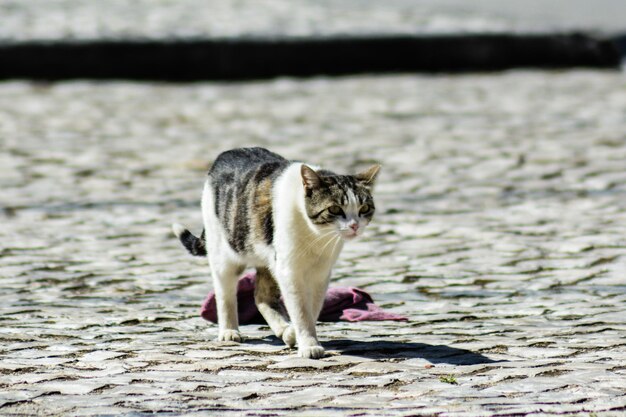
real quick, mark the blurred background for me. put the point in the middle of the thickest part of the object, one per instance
(157, 19)
(199, 40)
(500, 226)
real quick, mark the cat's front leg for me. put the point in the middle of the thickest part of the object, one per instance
(301, 299)
(316, 292)
(303, 324)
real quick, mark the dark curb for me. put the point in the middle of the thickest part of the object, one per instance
(247, 59)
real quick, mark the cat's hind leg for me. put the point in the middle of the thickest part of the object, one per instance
(225, 269)
(225, 274)
(267, 299)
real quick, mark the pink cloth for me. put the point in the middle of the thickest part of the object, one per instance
(341, 303)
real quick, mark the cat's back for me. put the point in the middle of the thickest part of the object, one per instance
(242, 181)
(243, 160)
(244, 167)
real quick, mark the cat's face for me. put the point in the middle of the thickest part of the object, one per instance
(342, 203)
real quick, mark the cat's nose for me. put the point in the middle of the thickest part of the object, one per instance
(354, 226)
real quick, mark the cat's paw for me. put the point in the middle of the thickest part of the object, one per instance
(230, 335)
(289, 336)
(311, 352)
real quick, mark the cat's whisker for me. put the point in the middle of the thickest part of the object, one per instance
(323, 250)
(303, 250)
(335, 240)
(316, 241)
(311, 244)
(336, 243)
(323, 235)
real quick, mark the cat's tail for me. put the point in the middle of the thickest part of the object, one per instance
(195, 245)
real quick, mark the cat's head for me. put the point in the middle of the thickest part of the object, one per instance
(342, 202)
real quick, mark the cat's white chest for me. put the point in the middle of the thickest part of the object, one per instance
(312, 255)
(300, 247)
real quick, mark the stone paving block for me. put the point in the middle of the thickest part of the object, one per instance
(296, 363)
(305, 396)
(107, 410)
(18, 396)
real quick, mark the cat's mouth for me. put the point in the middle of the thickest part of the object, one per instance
(349, 234)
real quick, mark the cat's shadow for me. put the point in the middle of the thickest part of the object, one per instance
(384, 349)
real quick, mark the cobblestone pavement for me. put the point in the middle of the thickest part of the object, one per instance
(501, 233)
(80, 19)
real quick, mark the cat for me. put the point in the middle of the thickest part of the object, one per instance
(289, 220)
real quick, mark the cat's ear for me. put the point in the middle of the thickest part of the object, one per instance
(368, 177)
(310, 178)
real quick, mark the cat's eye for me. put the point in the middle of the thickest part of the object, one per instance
(336, 210)
(365, 208)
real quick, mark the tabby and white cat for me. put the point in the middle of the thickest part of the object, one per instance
(289, 221)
